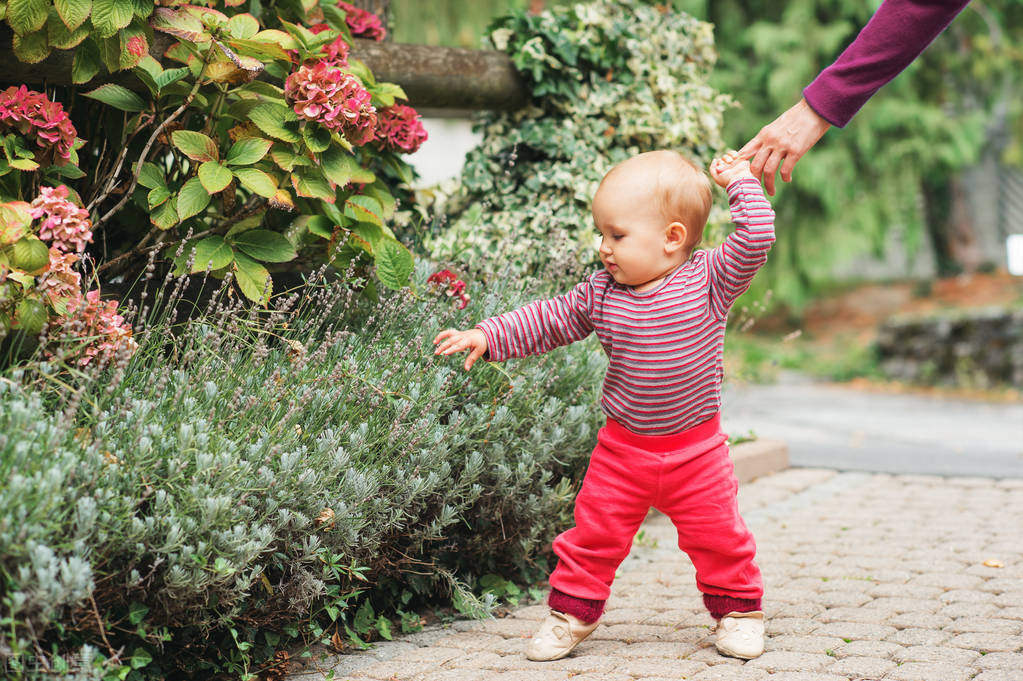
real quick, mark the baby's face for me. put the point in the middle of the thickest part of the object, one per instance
(632, 228)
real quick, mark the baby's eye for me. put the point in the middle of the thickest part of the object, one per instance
(618, 237)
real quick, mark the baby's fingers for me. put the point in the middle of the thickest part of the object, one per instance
(476, 353)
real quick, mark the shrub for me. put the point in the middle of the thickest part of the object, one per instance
(290, 460)
(608, 79)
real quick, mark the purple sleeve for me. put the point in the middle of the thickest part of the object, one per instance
(896, 34)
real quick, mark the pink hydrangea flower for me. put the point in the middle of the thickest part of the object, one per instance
(399, 129)
(104, 333)
(336, 51)
(324, 93)
(60, 282)
(66, 226)
(364, 24)
(33, 115)
(453, 286)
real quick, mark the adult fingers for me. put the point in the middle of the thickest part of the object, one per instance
(750, 149)
(756, 166)
(770, 168)
(790, 163)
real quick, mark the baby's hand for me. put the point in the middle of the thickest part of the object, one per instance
(457, 341)
(728, 169)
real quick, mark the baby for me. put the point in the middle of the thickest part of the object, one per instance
(659, 307)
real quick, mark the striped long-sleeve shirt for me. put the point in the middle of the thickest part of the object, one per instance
(664, 345)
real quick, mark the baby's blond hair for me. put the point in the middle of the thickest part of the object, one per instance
(681, 188)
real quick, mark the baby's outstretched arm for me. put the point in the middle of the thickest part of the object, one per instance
(453, 340)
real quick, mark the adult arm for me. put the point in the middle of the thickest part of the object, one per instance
(896, 35)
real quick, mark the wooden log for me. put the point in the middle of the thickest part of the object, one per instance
(432, 77)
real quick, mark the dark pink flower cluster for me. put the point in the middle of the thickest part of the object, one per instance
(399, 129)
(60, 281)
(66, 226)
(453, 286)
(107, 338)
(323, 93)
(33, 115)
(336, 51)
(364, 24)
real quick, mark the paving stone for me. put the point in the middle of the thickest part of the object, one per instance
(919, 620)
(804, 644)
(475, 660)
(785, 661)
(532, 675)
(729, 673)
(457, 675)
(988, 643)
(508, 627)
(917, 671)
(865, 615)
(966, 609)
(1000, 661)
(630, 633)
(658, 649)
(919, 637)
(854, 630)
(985, 624)
(791, 625)
(470, 640)
(999, 675)
(660, 666)
(861, 667)
(610, 676)
(901, 605)
(627, 616)
(435, 654)
(960, 657)
(579, 662)
(391, 669)
(805, 676)
(880, 649)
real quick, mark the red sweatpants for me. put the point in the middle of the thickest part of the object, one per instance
(687, 476)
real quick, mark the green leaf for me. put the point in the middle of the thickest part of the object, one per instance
(212, 252)
(137, 612)
(247, 151)
(363, 618)
(341, 167)
(384, 628)
(59, 36)
(151, 176)
(214, 176)
(311, 184)
(157, 196)
(289, 161)
(321, 226)
(86, 64)
(316, 137)
(276, 120)
(264, 245)
(364, 209)
(25, 164)
(253, 279)
(242, 26)
(192, 199)
(256, 181)
(31, 48)
(170, 76)
(378, 190)
(118, 97)
(164, 216)
(29, 254)
(394, 264)
(140, 658)
(73, 12)
(31, 316)
(27, 16)
(110, 16)
(195, 145)
(180, 24)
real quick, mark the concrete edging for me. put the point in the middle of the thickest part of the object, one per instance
(758, 458)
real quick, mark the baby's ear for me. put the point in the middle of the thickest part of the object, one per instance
(675, 237)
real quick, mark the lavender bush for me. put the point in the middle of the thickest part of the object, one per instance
(251, 472)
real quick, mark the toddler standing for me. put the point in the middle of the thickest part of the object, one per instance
(659, 308)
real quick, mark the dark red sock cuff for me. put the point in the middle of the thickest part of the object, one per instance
(719, 606)
(588, 610)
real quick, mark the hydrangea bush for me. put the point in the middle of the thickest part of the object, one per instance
(251, 145)
(609, 79)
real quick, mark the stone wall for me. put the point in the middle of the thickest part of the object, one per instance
(973, 349)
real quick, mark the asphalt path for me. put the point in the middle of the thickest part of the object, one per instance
(830, 426)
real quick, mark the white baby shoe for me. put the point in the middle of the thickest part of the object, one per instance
(558, 635)
(741, 634)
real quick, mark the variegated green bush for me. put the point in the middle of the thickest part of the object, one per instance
(609, 79)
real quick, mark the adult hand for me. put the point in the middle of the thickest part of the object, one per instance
(783, 142)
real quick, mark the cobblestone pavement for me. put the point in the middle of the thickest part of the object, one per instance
(868, 576)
